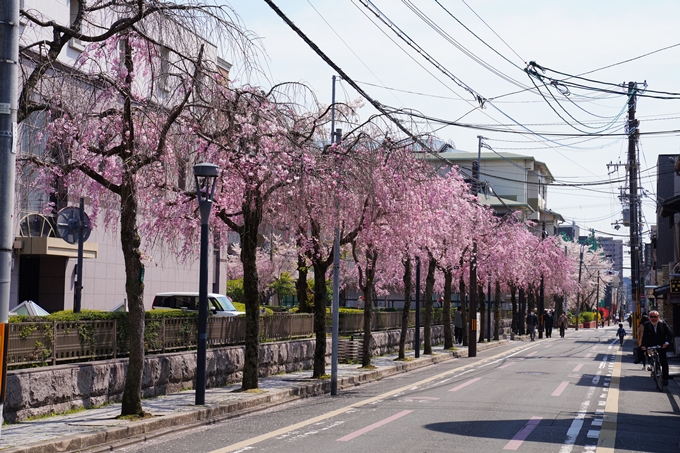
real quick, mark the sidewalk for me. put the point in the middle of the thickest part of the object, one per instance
(98, 429)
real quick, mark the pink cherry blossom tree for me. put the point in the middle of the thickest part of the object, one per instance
(110, 134)
(257, 139)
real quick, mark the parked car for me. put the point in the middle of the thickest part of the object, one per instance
(218, 304)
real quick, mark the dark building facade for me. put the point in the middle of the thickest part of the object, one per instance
(666, 244)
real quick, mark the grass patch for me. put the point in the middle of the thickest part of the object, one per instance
(369, 367)
(254, 391)
(136, 417)
(75, 410)
(405, 359)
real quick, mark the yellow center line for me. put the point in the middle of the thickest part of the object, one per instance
(607, 440)
(310, 421)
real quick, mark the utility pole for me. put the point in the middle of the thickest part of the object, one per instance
(633, 132)
(597, 301)
(578, 294)
(472, 337)
(9, 82)
(541, 293)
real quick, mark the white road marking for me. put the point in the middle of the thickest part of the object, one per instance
(239, 446)
(577, 423)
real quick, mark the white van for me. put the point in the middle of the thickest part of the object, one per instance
(218, 304)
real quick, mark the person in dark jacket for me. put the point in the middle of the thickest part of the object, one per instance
(548, 321)
(658, 333)
(532, 322)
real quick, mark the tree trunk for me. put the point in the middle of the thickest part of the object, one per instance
(320, 270)
(559, 303)
(371, 258)
(427, 322)
(515, 316)
(252, 215)
(464, 311)
(134, 287)
(481, 303)
(446, 309)
(522, 312)
(497, 313)
(408, 289)
(531, 301)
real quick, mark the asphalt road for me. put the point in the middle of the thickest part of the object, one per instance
(552, 395)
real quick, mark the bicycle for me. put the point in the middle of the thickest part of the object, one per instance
(655, 366)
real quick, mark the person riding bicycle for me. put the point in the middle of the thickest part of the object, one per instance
(658, 333)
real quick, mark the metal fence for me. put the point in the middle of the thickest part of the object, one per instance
(50, 343)
(53, 342)
(381, 320)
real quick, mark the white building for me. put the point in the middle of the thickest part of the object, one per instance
(513, 182)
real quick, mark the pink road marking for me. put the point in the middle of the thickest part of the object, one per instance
(548, 346)
(560, 388)
(516, 441)
(577, 367)
(373, 426)
(587, 355)
(533, 353)
(507, 365)
(464, 384)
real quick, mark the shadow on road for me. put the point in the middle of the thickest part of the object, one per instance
(653, 433)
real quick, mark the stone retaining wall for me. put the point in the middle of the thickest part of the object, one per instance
(38, 391)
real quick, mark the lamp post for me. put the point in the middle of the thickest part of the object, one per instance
(205, 176)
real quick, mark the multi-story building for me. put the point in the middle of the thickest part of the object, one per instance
(667, 253)
(613, 250)
(509, 182)
(569, 232)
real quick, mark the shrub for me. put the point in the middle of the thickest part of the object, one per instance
(587, 316)
(235, 290)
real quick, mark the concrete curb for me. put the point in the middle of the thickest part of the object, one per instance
(107, 439)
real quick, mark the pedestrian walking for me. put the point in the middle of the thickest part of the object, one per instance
(458, 325)
(532, 322)
(621, 333)
(548, 321)
(562, 324)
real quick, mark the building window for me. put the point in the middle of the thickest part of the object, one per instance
(74, 7)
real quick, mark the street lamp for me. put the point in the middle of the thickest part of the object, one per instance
(205, 176)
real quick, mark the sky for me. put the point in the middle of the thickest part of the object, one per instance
(481, 49)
